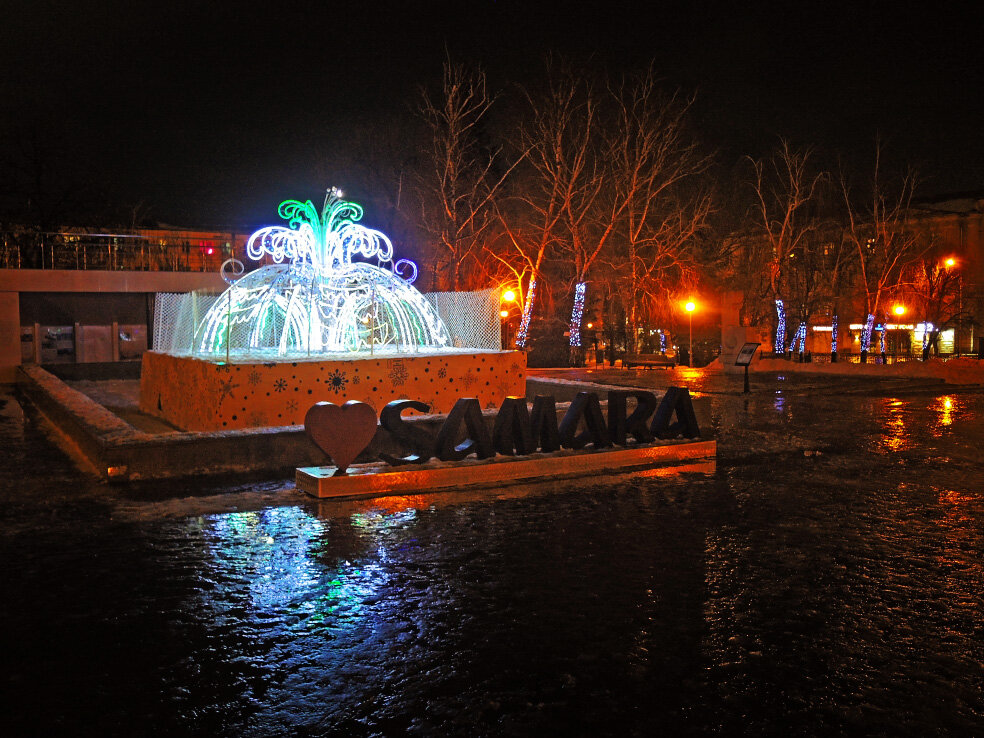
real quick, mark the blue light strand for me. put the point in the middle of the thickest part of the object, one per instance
(577, 312)
(800, 336)
(780, 327)
(866, 333)
(833, 334)
(662, 341)
(927, 327)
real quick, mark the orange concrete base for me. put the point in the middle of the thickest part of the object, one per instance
(201, 395)
(380, 479)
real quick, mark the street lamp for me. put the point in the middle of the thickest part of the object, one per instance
(506, 297)
(690, 307)
(899, 311)
(951, 263)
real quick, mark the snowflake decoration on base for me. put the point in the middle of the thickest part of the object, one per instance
(337, 380)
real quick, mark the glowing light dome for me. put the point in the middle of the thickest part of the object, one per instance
(314, 299)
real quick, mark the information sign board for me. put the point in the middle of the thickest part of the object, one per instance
(746, 353)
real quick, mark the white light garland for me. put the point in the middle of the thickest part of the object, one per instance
(577, 313)
(524, 323)
(780, 347)
(799, 336)
(866, 333)
(314, 298)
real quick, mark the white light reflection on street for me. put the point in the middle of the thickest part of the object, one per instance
(279, 556)
(268, 551)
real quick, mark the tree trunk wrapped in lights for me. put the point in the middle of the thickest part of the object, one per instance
(524, 324)
(780, 342)
(577, 313)
(612, 167)
(882, 237)
(869, 325)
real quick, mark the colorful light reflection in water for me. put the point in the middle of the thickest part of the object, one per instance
(279, 556)
(269, 549)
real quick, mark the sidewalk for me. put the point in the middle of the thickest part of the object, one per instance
(770, 375)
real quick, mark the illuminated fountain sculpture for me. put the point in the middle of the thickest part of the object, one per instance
(333, 318)
(315, 299)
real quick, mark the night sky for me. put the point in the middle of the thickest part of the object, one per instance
(208, 113)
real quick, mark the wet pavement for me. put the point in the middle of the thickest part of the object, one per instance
(825, 578)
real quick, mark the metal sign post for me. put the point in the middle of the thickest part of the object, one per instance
(744, 358)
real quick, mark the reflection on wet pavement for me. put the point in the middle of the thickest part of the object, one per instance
(823, 577)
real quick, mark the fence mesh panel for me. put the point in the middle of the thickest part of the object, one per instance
(472, 319)
(176, 317)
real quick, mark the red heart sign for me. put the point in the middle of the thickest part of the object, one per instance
(341, 432)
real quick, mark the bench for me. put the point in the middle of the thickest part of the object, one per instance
(649, 361)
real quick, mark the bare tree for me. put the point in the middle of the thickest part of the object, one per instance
(460, 178)
(878, 228)
(786, 192)
(838, 269)
(610, 193)
(555, 141)
(933, 290)
(565, 180)
(655, 169)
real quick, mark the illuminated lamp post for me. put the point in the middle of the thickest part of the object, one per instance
(899, 311)
(951, 263)
(690, 307)
(594, 342)
(506, 298)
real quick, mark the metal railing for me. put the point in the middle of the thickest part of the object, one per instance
(850, 357)
(112, 252)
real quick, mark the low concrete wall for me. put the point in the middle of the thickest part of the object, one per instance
(208, 394)
(115, 450)
(15, 281)
(69, 280)
(95, 371)
(10, 336)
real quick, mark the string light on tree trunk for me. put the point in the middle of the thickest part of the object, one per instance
(780, 327)
(799, 337)
(577, 313)
(524, 323)
(866, 333)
